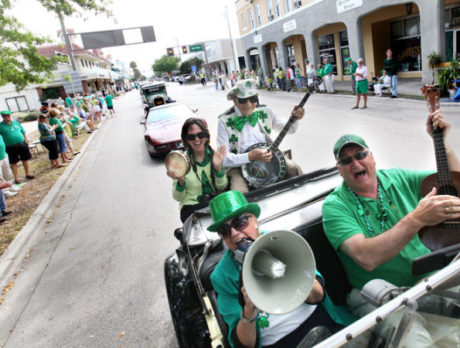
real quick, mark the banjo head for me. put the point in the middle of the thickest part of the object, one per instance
(177, 162)
(261, 174)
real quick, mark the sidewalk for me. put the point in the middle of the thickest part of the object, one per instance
(406, 87)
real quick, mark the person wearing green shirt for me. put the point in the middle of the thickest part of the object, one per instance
(328, 76)
(53, 115)
(207, 176)
(109, 101)
(16, 143)
(352, 66)
(235, 220)
(372, 220)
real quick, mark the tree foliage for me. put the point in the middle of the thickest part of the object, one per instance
(186, 66)
(166, 64)
(20, 62)
(136, 72)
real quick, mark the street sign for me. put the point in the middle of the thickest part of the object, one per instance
(195, 48)
(194, 68)
(72, 82)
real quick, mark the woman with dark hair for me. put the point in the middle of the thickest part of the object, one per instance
(48, 140)
(207, 176)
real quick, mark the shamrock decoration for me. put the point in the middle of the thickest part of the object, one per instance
(263, 321)
(262, 115)
(233, 138)
(229, 123)
(248, 84)
(268, 130)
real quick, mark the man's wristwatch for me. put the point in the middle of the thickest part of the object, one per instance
(246, 320)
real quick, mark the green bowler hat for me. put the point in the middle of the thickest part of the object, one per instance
(346, 140)
(229, 205)
(5, 113)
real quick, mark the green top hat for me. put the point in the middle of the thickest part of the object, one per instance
(229, 205)
(5, 113)
(348, 139)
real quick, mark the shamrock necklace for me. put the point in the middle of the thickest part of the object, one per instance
(383, 214)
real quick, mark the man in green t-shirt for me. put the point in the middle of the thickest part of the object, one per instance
(352, 66)
(16, 143)
(372, 220)
(109, 101)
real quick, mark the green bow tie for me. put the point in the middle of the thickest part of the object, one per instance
(240, 121)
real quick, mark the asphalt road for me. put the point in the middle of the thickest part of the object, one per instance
(95, 275)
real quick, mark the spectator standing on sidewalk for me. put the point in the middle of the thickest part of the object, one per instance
(282, 79)
(390, 65)
(361, 75)
(320, 73)
(5, 171)
(109, 101)
(48, 140)
(298, 77)
(59, 131)
(3, 211)
(353, 66)
(328, 76)
(16, 142)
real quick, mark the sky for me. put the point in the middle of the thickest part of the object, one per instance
(175, 22)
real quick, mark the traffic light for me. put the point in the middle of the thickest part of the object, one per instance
(170, 51)
(184, 49)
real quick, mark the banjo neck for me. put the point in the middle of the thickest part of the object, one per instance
(289, 123)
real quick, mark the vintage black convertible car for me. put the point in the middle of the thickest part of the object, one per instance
(295, 204)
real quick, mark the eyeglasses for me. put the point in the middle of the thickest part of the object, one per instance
(253, 99)
(200, 135)
(239, 223)
(358, 156)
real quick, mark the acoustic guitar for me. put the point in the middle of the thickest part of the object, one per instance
(446, 182)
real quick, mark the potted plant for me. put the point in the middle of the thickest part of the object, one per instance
(434, 59)
(446, 77)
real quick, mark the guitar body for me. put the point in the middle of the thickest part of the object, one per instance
(260, 174)
(448, 232)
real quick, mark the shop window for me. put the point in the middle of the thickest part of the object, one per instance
(405, 43)
(259, 19)
(278, 8)
(327, 50)
(271, 14)
(251, 18)
(344, 52)
(17, 104)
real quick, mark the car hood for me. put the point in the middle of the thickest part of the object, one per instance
(164, 131)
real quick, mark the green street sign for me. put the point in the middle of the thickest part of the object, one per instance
(195, 48)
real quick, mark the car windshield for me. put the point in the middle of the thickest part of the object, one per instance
(435, 301)
(166, 113)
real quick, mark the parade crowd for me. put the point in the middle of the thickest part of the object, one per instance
(57, 125)
(372, 219)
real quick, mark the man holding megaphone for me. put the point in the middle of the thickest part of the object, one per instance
(278, 323)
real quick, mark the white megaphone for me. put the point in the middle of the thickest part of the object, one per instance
(278, 271)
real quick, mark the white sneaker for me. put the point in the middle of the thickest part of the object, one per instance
(9, 194)
(15, 188)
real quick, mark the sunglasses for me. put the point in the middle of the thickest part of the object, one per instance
(358, 156)
(253, 99)
(200, 135)
(239, 223)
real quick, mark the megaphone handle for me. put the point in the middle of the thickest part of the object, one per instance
(241, 300)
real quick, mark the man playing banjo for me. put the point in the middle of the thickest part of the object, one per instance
(245, 124)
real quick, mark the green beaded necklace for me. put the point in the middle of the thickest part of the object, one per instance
(383, 214)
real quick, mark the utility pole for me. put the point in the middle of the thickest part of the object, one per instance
(179, 49)
(67, 41)
(235, 60)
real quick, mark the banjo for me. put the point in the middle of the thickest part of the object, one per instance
(259, 174)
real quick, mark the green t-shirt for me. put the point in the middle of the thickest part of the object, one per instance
(108, 99)
(327, 69)
(74, 120)
(2, 148)
(353, 67)
(55, 120)
(12, 134)
(68, 101)
(342, 218)
(297, 72)
(320, 72)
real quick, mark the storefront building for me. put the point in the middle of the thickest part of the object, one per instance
(286, 32)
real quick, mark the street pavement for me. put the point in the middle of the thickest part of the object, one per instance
(94, 274)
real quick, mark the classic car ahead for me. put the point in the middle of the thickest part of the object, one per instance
(163, 126)
(155, 94)
(295, 204)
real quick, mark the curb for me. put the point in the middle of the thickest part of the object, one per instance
(17, 250)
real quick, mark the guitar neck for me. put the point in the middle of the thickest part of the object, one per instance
(289, 123)
(442, 165)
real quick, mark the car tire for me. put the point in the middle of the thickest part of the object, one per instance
(186, 312)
